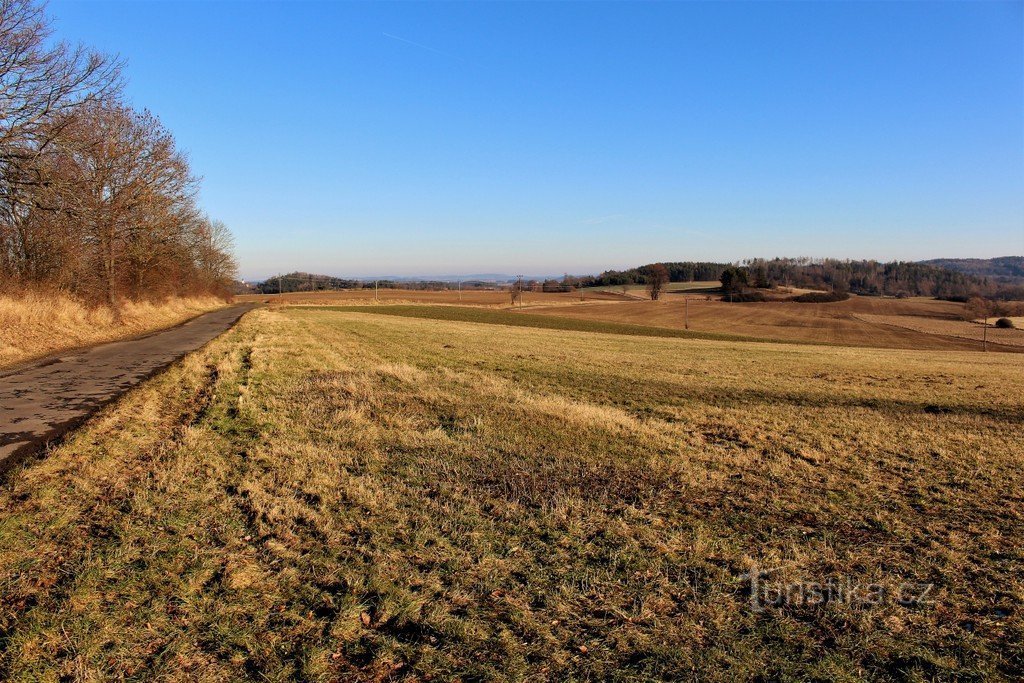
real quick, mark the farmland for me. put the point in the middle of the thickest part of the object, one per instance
(326, 494)
(859, 321)
(916, 323)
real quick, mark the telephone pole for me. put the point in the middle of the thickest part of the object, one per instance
(686, 311)
(375, 292)
(460, 289)
(984, 337)
(520, 290)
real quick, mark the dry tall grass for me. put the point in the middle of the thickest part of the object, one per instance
(37, 324)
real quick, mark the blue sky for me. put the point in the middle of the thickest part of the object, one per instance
(366, 139)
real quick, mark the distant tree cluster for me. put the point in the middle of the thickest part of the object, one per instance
(95, 197)
(869, 278)
(305, 282)
(681, 271)
(313, 282)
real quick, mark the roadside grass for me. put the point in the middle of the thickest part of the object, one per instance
(549, 322)
(326, 495)
(38, 323)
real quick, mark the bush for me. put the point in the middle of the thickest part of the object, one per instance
(1005, 323)
(821, 297)
(745, 297)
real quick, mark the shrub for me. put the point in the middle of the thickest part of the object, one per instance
(1004, 323)
(821, 297)
(746, 297)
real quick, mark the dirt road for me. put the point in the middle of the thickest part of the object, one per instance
(40, 402)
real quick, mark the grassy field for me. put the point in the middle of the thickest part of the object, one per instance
(518, 318)
(334, 495)
(35, 325)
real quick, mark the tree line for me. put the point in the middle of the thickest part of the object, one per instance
(869, 278)
(96, 199)
(299, 281)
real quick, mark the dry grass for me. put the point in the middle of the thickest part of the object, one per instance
(325, 495)
(35, 325)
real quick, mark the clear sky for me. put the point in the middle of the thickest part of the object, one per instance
(369, 139)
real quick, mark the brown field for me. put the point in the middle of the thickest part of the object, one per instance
(35, 325)
(861, 321)
(412, 296)
(963, 329)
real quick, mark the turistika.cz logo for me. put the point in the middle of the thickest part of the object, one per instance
(835, 590)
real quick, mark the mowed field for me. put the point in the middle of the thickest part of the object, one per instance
(342, 495)
(859, 321)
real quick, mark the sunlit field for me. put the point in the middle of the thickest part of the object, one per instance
(324, 494)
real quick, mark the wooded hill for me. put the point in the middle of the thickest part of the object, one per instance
(871, 278)
(1001, 269)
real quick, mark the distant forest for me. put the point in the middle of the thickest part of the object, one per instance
(870, 278)
(1002, 269)
(312, 282)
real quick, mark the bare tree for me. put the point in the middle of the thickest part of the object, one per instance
(657, 278)
(42, 85)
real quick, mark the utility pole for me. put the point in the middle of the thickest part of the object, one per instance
(375, 298)
(984, 338)
(686, 311)
(520, 290)
(460, 289)
(279, 284)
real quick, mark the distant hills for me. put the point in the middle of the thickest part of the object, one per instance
(1002, 268)
(955, 279)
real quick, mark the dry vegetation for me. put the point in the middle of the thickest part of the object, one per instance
(329, 494)
(37, 324)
